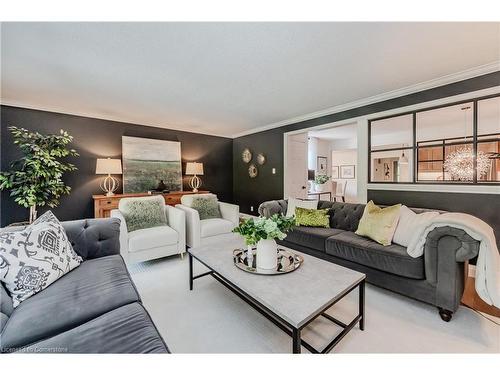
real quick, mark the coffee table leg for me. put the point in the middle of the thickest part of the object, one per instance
(296, 341)
(362, 305)
(190, 272)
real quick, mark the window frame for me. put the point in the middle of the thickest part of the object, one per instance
(414, 146)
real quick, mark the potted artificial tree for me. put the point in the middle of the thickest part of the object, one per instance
(36, 178)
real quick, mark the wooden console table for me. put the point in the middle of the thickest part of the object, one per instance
(103, 204)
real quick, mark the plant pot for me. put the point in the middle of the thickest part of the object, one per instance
(319, 187)
(267, 254)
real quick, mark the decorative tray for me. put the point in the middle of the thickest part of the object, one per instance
(287, 262)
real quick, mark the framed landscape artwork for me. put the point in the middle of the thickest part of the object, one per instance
(347, 171)
(146, 162)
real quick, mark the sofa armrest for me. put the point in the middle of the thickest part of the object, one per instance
(176, 219)
(192, 225)
(269, 208)
(445, 251)
(94, 238)
(123, 233)
(230, 212)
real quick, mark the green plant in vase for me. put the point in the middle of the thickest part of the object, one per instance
(263, 232)
(36, 178)
(319, 182)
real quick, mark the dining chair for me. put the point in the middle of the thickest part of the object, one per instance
(339, 191)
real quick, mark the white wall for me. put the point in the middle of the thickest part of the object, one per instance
(312, 152)
(318, 147)
(347, 157)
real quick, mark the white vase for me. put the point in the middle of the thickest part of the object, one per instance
(267, 254)
(319, 187)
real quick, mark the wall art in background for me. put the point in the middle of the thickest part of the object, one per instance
(347, 171)
(335, 172)
(148, 161)
(322, 165)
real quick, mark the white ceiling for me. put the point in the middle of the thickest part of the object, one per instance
(227, 78)
(348, 131)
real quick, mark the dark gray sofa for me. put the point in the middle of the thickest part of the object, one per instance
(436, 278)
(93, 309)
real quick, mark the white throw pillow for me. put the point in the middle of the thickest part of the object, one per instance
(33, 258)
(187, 200)
(411, 224)
(294, 203)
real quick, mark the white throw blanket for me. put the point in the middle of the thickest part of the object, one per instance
(488, 261)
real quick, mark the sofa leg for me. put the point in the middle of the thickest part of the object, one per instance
(445, 314)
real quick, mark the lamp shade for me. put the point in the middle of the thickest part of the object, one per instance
(108, 166)
(194, 169)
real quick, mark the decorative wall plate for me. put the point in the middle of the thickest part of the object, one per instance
(252, 171)
(246, 155)
(261, 159)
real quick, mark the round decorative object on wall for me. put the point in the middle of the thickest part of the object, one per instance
(261, 159)
(246, 155)
(252, 171)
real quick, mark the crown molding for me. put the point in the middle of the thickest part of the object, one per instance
(106, 118)
(441, 81)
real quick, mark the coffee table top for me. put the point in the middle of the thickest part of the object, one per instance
(297, 296)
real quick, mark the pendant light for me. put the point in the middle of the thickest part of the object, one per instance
(460, 163)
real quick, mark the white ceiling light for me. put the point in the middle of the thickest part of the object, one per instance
(403, 159)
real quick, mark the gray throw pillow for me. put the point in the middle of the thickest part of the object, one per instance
(144, 212)
(33, 258)
(207, 207)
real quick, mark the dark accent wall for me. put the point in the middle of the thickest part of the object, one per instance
(484, 206)
(249, 192)
(253, 191)
(95, 138)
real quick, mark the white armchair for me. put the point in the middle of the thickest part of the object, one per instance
(210, 231)
(156, 242)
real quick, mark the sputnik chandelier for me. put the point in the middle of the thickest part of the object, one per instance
(460, 163)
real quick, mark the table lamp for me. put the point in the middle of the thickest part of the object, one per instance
(109, 166)
(194, 169)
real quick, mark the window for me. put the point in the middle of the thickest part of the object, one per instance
(488, 137)
(441, 134)
(391, 143)
(456, 143)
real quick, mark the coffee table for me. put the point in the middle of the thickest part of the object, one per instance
(291, 301)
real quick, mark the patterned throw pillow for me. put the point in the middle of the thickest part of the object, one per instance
(143, 212)
(312, 218)
(379, 224)
(33, 258)
(207, 207)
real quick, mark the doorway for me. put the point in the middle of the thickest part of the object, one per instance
(330, 151)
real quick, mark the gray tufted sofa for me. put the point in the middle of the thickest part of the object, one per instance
(436, 278)
(95, 308)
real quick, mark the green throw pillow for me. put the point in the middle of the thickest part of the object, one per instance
(144, 212)
(379, 224)
(207, 207)
(312, 218)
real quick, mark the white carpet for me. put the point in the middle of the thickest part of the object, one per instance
(211, 319)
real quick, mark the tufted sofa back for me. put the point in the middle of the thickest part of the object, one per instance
(346, 216)
(93, 238)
